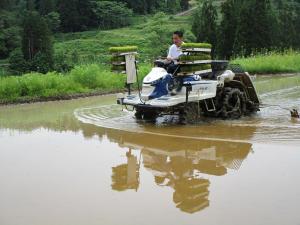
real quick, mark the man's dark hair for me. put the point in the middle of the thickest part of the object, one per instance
(179, 33)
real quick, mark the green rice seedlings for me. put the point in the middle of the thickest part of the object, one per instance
(194, 68)
(124, 49)
(196, 45)
(188, 58)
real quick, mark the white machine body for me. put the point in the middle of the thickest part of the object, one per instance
(201, 89)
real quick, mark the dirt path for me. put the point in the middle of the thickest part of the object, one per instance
(187, 12)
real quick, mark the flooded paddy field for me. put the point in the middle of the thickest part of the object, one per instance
(87, 162)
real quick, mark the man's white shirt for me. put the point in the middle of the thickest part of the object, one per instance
(174, 52)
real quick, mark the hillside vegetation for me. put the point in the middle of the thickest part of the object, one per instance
(73, 60)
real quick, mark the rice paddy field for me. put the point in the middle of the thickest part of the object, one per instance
(87, 161)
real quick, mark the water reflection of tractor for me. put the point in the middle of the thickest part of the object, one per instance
(197, 87)
(126, 176)
(180, 164)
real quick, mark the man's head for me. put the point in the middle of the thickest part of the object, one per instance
(178, 38)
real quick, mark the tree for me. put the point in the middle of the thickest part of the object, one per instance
(204, 23)
(227, 28)
(45, 6)
(104, 9)
(75, 15)
(85, 11)
(152, 6)
(53, 21)
(297, 8)
(184, 4)
(6, 4)
(30, 5)
(254, 30)
(287, 23)
(69, 15)
(37, 43)
(172, 6)
(141, 6)
(9, 35)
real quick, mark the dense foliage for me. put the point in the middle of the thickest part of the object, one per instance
(26, 26)
(83, 30)
(245, 27)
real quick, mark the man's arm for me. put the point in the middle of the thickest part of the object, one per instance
(169, 57)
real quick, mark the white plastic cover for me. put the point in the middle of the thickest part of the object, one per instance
(131, 69)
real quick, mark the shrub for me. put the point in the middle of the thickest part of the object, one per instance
(62, 63)
(17, 63)
(41, 63)
(9, 88)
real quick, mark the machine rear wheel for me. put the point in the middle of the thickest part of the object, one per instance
(234, 103)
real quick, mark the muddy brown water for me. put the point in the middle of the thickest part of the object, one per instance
(86, 162)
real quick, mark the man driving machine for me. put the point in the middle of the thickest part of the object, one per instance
(171, 62)
(175, 52)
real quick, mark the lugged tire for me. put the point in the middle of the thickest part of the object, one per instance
(234, 103)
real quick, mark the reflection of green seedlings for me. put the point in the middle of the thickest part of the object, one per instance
(118, 67)
(196, 45)
(194, 68)
(200, 56)
(125, 49)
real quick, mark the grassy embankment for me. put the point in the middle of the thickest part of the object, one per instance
(97, 79)
(81, 81)
(271, 63)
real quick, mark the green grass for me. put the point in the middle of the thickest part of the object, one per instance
(3, 72)
(4, 68)
(81, 80)
(93, 46)
(271, 63)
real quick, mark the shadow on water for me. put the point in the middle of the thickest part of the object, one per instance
(183, 165)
